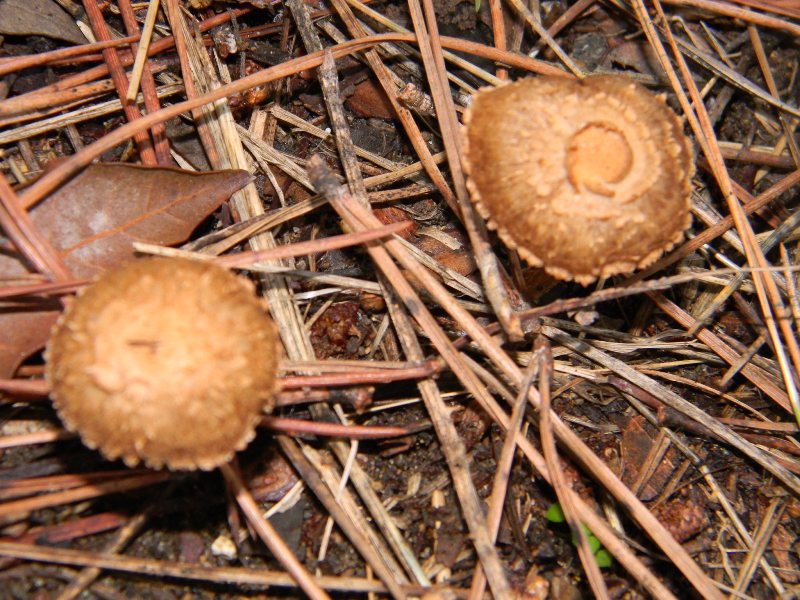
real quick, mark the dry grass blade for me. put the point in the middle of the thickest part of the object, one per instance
(672, 400)
(269, 536)
(141, 52)
(358, 218)
(17, 63)
(155, 568)
(327, 185)
(545, 359)
(343, 519)
(504, 462)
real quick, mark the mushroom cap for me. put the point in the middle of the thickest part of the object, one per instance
(166, 361)
(587, 178)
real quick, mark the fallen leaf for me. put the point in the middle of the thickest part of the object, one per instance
(635, 56)
(92, 222)
(369, 101)
(38, 17)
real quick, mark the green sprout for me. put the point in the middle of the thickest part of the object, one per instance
(555, 514)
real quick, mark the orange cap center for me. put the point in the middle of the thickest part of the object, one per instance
(598, 155)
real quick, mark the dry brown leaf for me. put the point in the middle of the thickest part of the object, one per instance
(92, 221)
(369, 100)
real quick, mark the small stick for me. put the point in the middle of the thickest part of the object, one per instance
(10, 511)
(31, 243)
(243, 576)
(728, 9)
(141, 53)
(17, 63)
(147, 83)
(501, 476)
(326, 184)
(24, 107)
(269, 536)
(558, 480)
(243, 260)
(356, 536)
(119, 540)
(360, 432)
(120, 79)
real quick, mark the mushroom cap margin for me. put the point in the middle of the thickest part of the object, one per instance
(169, 362)
(517, 144)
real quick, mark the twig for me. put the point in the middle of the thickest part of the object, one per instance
(10, 511)
(326, 184)
(356, 432)
(343, 520)
(501, 476)
(120, 539)
(269, 536)
(12, 64)
(158, 568)
(243, 260)
(430, 48)
(144, 74)
(404, 115)
(558, 480)
(141, 52)
(120, 80)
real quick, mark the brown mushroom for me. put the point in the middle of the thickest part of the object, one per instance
(166, 361)
(587, 178)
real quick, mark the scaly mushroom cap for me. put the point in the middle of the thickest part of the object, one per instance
(587, 178)
(166, 361)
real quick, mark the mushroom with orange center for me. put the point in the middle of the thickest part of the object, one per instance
(586, 178)
(166, 361)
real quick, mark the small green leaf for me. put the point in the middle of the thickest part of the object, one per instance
(604, 558)
(594, 544)
(555, 514)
